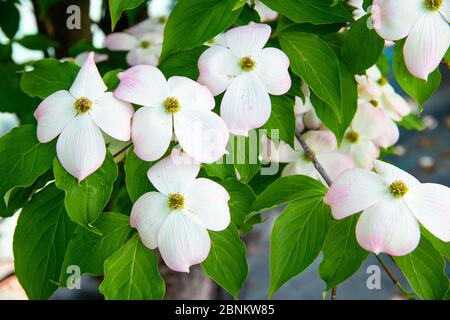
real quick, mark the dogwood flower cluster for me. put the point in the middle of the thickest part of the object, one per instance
(142, 41)
(424, 23)
(393, 203)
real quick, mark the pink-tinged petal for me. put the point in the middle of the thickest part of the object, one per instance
(395, 106)
(191, 94)
(218, 67)
(426, 44)
(368, 121)
(430, 204)
(391, 173)
(88, 83)
(143, 85)
(299, 123)
(445, 10)
(113, 116)
(151, 132)
(390, 134)
(98, 57)
(355, 190)
(388, 227)
(153, 25)
(248, 40)
(121, 41)
(142, 56)
(174, 174)
(183, 242)
(393, 19)
(265, 12)
(272, 68)
(311, 120)
(320, 141)
(246, 104)
(208, 201)
(300, 167)
(303, 106)
(81, 147)
(279, 152)
(147, 216)
(363, 153)
(53, 115)
(335, 163)
(202, 134)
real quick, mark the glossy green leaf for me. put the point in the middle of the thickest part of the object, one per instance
(136, 176)
(40, 240)
(282, 119)
(244, 152)
(36, 42)
(182, 63)
(241, 200)
(226, 263)
(439, 245)
(111, 80)
(117, 7)
(9, 18)
(131, 273)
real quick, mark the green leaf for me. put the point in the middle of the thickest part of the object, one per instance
(282, 119)
(182, 63)
(36, 42)
(297, 239)
(362, 47)
(412, 122)
(23, 158)
(202, 20)
(424, 270)
(9, 18)
(47, 77)
(342, 255)
(42, 234)
(132, 274)
(89, 251)
(439, 245)
(241, 200)
(136, 176)
(315, 12)
(244, 151)
(85, 200)
(419, 89)
(117, 7)
(226, 263)
(247, 15)
(220, 169)
(317, 64)
(111, 80)
(5, 52)
(286, 189)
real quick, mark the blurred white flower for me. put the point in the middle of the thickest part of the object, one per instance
(8, 121)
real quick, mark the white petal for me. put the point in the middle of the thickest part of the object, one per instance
(246, 104)
(312, 121)
(430, 204)
(445, 10)
(218, 67)
(320, 141)
(368, 121)
(279, 152)
(248, 40)
(143, 56)
(121, 41)
(391, 173)
(272, 68)
(202, 134)
(363, 153)
(53, 115)
(302, 167)
(335, 163)
(151, 132)
(113, 116)
(208, 201)
(388, 227)
(183, 242)
(147, 216)
(390, 134)
(355, 190)
(143, 85)
(427, 44)
(191, 94)
(395, 105)
(88, 83)
(81, 147)
(174, 174)
(393, 19)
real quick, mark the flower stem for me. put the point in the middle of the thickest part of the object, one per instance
(409, 295)
(122, 150)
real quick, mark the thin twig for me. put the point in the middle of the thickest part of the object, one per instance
(122, 150)
(393, 279)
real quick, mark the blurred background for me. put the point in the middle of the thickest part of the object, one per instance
(425, 154)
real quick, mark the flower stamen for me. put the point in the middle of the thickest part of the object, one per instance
(374, 103)
(398, 189)
(352, 137)
(82, 105)
(247, 64)
(171, 105)
(145, 44)
(433, 5)
(176, 201)
(382, 81)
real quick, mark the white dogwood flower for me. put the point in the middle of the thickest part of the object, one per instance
(393, 203)
(248, 72)
(77, 115)
(176, 218)
(423, 22)
(178, 105)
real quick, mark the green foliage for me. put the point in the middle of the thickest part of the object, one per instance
(111, 80)
(117, 7)
(36, 42)
(282, 119)
(136, 176)
(182, 63)
(244, 151)
(9, 18)
(241, 200)
(412, 122)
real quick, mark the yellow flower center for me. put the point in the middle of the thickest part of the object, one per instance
(352, 136)
(374, 103)
(145, 44)
(176, 201)
(247, 64)
(305, 156)
(172, 105)
(83, 105)
(433, 5)
(383, 81)
(398, 188)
